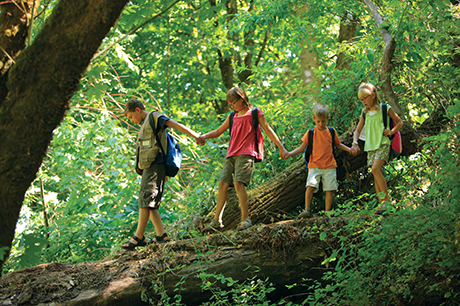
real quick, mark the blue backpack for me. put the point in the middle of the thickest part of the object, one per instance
(255, 123)
(309, 148)
(173, 155)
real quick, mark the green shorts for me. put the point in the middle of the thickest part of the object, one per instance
(381, 153)
(152, 186)
(238, 169)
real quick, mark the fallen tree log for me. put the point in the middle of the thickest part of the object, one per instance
(280, 254)
(272, 200)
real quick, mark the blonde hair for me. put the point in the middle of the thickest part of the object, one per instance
(366, 89)
(238, 93)
(320, 111)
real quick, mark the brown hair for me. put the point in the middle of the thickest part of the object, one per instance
(238, 93)
(132, 105)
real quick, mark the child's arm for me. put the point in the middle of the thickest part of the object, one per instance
(343, 147)
(398, 124)
(272, 135)
(218, 132)
(298, 150)
(354, 146)
(184, 129)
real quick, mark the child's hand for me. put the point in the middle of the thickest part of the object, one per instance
(354, 150)
(386, 132)
(284, 153)
(200, 140)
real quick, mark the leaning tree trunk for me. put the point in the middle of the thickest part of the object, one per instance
(270, 201)
(40, 85)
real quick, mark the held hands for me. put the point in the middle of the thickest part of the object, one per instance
(284, 153)
(200, 140)
(354, 150)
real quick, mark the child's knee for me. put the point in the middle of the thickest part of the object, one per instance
(239, 186)
(223, 185)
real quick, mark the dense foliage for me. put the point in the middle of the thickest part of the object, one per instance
(169, 56)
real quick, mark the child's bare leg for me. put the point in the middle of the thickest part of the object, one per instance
(243, 199)
(379, 180)
(308, 196)
(329, 198)
(141, 225)
(221, 200)
(157, 223)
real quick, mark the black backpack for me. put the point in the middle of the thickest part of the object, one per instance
(309, 148)
(255, 124)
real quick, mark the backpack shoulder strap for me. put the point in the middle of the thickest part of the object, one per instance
(332, 131)
(255, 117)
(255, 124)
(310, 140)
(155, 132)
(385, 115)
(232, 114)
(309, 148)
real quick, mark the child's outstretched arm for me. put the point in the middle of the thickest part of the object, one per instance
(343, 147)
(272, 135)
(354, 147)
(297, 150)
(184, 129)
(398, 123)
(216, 133)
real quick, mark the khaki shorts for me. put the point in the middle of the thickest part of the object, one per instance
(327, 176)
(381, 153)
(152, 186)
(238, 169)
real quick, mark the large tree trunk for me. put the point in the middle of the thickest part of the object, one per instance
(40, 85)
(274, 199)
(284, 253)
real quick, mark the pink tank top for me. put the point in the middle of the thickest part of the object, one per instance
(242, 140)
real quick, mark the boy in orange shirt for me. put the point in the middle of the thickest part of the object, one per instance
(322, 164)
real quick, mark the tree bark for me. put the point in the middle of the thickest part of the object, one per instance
(40, 85)
(387, 65)
(348, 28)
(15, 23)
(285, 253)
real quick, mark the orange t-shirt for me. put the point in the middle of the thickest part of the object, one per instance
(322, 156)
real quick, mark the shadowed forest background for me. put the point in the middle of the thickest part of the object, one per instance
(78, 196)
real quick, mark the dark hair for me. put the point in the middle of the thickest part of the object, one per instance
(238, 93)
(132, 105)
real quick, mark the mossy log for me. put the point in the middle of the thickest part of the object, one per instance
(284, 253)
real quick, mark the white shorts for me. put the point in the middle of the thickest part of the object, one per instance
(327, 176)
